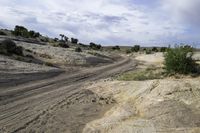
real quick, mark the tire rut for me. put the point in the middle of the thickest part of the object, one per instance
(49, 96)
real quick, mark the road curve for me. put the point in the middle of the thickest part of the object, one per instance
(24, 104)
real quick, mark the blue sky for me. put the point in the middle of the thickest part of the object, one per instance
(108, 22)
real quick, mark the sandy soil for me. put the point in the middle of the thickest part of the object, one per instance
(155, 60)
(63, 56)
(9, 65)
(58, 104)
(37, 98)
(149, 107)
(14, 72)
(75, 100)
(152, 106)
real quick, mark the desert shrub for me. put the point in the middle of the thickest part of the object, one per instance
(179, 60)
(136, 48)
(44, 39)
(55, 39)
(128, 51)
(143, 74)
(74, 40)
(34, 34)
(83, 45)
(55, 44)
(23, 32)
(66, 39)
(63, 44)
(62, 36)
(8, 47)
(20, 31)
(163, 49)
(148, 51)
(92, 45)
(95, 46)
(154, 49)
(78, 49)
(2, 33)
(116, 48)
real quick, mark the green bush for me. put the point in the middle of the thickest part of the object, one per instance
(95, 46)
(148, 51)
(179, 60)
(143, 74)
(155, 49)
(163, 49)
(81, 44)
(8, 47)
(78, 49)
(44, 39)
(23, 32)
(55, 39)
(20, 31)
(63, 44)
(116, 48)
(74, 40)
(136, 48)
(34, 34)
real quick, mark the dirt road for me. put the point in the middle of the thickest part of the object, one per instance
(59, 104)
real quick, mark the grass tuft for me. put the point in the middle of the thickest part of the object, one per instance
(142, 74)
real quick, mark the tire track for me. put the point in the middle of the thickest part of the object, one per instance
(33, 101)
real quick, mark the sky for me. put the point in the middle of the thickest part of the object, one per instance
(108, 22)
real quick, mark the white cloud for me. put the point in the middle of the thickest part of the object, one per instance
(184, 11)
(102, 21)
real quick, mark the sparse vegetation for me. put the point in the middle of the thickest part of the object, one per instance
(20, 31)
(148, 51)
(143, 74)
(62, 36)
(23, 32)
(95, 46)
(8, 47)
(28, 50)
(55, 39)
(74, 40)
(179, 60)
(97, 54)
(83, 45)
(116, 47)
(44, 55)
(136, 48)
(48, 64)
(78, 49)
(163, 49)
(2, 33)
(34, 34)
(66, 38)
(128, 51)
(44, 39)
(155, 49)
(63, 44)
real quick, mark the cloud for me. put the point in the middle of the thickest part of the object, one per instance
(107, 21)
(185, 11)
